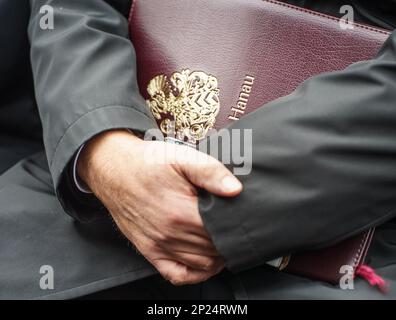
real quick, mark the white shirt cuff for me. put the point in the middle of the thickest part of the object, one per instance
(81, 186)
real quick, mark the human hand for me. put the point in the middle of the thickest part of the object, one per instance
(156, 205)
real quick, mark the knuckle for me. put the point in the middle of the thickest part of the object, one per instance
(180, 278)
(165, 236)
(169, 235)
(210, 264)
(178, 281)
(161, 237)
(205, 264)
(175, 218)
(167, 276)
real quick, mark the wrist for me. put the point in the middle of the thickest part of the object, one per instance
(98, 153)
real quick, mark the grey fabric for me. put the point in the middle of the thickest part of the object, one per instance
(35, 231)
(87, 258)
(18, 111)
(13, 149)
(324, 166)
(156, 288)
(92, 257)
(84, 82)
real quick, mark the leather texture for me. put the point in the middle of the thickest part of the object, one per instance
(278, 44)
(325, 264)
(281, 45)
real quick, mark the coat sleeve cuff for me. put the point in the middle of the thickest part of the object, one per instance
(228, 232)
(85, 207)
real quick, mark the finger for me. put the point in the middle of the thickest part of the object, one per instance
(210, 174)
(198, 262)
(198, 246)
(179, 274)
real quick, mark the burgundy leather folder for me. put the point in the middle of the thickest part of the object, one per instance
(244, 54)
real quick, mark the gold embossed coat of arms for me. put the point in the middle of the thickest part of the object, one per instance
(186, 106)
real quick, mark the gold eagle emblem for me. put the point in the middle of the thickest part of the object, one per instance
(186, 107)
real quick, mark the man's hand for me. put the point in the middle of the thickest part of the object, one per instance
(156, 205)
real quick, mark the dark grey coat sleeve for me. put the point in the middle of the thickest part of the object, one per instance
(85, 82)
(324, 166)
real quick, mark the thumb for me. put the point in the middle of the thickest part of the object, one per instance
(211, 175)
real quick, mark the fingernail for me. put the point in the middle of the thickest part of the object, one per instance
(231, 184)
